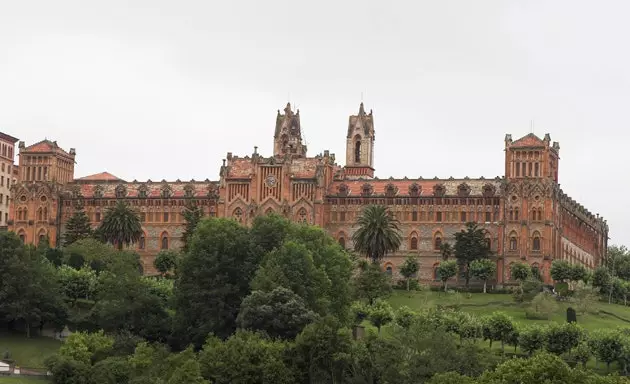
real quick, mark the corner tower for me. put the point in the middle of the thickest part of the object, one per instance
(531, 157)
(287, 139)
(360, 145)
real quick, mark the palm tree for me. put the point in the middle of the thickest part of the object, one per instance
(121, 225)
(378, 233)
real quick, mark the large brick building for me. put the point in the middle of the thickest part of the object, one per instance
(526, 214)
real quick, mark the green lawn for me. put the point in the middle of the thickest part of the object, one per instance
(22, 380)
(28, 353)
(482, 304)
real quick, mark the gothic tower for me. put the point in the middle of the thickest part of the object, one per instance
(287, 139)
(360, 145)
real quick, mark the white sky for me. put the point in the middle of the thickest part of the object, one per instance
(163, 89)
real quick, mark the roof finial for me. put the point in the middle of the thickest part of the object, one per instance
(361, 109)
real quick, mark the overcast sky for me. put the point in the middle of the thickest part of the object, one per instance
(164, 89)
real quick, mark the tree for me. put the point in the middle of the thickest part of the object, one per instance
(78, 226)
(192, 214)
(77, 284)
(561, 338)
(213, 278)
(483, 269)
(602, 279)
(531, 339)
(446, 250)
(606, 345)
(560, 270)
(471, 245)
(279, 313)
(544, 305)
(380, 314)
(166, 261)
(446, 270)
(121, 225)
(520, 272)
(498, 327)
(409, 268)
(577, 272)
(378, 233)
(371, 283)
(29, 289)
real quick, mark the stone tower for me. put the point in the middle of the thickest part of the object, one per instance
(287, 139)
(360, 145)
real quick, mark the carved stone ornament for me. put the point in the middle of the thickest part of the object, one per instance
(439, 190)
(463, 190)
(143, 191)
(366, 190)
(342, 190)
(98, 191)
(121, 191)
(189, 190)
(271, 181)
(488, 190)
(415, 190)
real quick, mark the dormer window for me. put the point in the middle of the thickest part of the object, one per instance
(414, 190)
(391, 190)
(121, 191)
(366, 190)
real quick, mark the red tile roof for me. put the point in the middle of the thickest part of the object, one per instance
(154, 189)
(530, 140)
(379, 186)
(103, 176)
(45, 146)
(302, 168)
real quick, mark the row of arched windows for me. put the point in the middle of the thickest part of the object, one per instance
(536, 241)
(164, 241)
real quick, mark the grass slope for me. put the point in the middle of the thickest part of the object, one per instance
(28, 353)
(22, 380)
(483, 304)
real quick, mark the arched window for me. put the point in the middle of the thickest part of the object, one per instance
(45, 213)
(141, 242)
(342, 242)
(437, 242)
(488, 242)
(414, 243)
(19, 214)
(534, 214)
(357, 149)
(539, 214)
(513, 241)
(39, 215)
(511, 214)
(269, 211)
(238, 215)
(536, 242)
(436, 276)
(515, 214)
(302, 216)
(25, 214)
(42, 238)
(22, 237)
(389, 270)
(164, 241)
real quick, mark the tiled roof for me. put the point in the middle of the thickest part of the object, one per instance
(44, 146)
(154, 189)
(103, 176)
(304, 168)
(241, 168)
(379, 186)
(530, 140)
(244, 167)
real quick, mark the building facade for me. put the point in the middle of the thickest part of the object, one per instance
(7, 151)
(528, 218)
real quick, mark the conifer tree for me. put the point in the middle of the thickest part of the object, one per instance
(78, 227)
(192, 215)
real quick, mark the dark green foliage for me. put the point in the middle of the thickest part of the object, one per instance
(561, 338)
(78, 227)
(409, 269)
(214, 277)
(55, 256)
(166, 261)
(470, 245)
(378, 233)
(571, 316)
(279, 313)
(560, 270)
(192, 216)
(121, 225)
(269, 232)
(371, 283)
(112, 370)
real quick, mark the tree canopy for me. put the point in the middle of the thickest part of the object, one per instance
(378, 233)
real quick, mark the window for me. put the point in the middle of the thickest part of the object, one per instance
(515, 214)
(97, 217)
(22, 238)
(513, 242)
(414, 243)
(518, 169)
(536, 170)
(164, 241)
(488, 217)
(437, 243)
(342, 242)
(438, 216)
(357, 151)
(536, 242)
(143, 216)
(45, 213)
(539, 214)
(463, 217)
(302, 217)
(414, 216)
(342, 216)
(2, 180)
(141, 242)
(389, 270)
(488, 242)
(165, 217)
(238, 215)
(42, 238)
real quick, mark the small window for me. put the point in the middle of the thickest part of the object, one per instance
(342, 216)
(164, 242)
(463, 217)
(389, 270)
(438, 216)
(437, 244)
(97, 217)
(488, 217)
(165, 217)
(238, 215)
(342, 242)
(515, 214)
(513, 243)
(488, 243)
(414, 243)
(141, 242)
(536, 243)
(414, 216)
(22, 238)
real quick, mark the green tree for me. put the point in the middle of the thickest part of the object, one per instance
(279, 313)
(541, 368)
(380, 313)
(561, 338)
(577, 273)
(409, 268)
(86, 347)
(77, 284)
(446, 250)
(520, 272)
(245, 357)
(483, 269)
(213, 278)
(378, 233)
(532, 339)
(606, 345)
(560, 270)
(371, 283)
(498, 327)
(166, 261)
(78, 226)
(602, 279)
(446, 270)
(192, 215)
(29, 288)
(471, 245)
(269, 232)
(544, 305)
(618, 261)
(121, 225)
